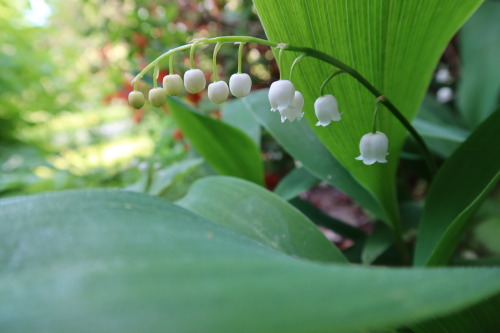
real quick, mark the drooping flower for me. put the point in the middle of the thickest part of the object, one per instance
(327, 110)
(194, 81)
(294, 110)
(373, 147)
(173, 84)
(281, 94)
(136, 99)
(218, 92)
(157, 97)
(240, 84)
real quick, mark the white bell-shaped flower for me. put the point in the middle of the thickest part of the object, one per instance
(373, 147)
(218, 92)
(240, 84)
(194, 81)
(327, 110)
(293, 111)
(281, 94)
(173, 84)
(136, 99)
(157, 97)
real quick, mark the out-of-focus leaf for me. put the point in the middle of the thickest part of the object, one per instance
(235, 114)
(261, 215)
(457, 191)
(299, 140)
(479, 88)
(488, 233)
(394, 44)
(481, 318)
(125, 262)
(294, 183)
(442, 138)
(377, 243)
(227, 149)
(164, 178)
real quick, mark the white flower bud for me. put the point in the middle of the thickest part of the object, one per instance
(173, 84)
(373, 147)
(157, 97)
(218, 92)
(194, 81)
(327, 110)
(281, 94)
(240, 84)
(136, 99)
(294, 110)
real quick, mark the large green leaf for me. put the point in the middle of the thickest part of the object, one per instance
(261, 215)
(295, 182)
(299, 140)
(394, 44)
(115, 261)
(457, 191)
(479, 88)
(227, 149)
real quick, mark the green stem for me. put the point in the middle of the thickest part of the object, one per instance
(335, 73)
(171, 65)
(295, 62)
(280, 62)
(155, 76)
(191, 55)
(240, 57)
(375, 114)
(214, 61)
(320, 56)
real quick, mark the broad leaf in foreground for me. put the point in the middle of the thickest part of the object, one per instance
(117, 261)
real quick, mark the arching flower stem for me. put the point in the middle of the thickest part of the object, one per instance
(240, 56)
(320, 56)
(214, 61)
(335, 73)
(295, 62)
(155, 76)
(375, 113)
(171, 65)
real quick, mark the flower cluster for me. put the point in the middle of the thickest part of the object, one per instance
(282, 97)
(194, 82)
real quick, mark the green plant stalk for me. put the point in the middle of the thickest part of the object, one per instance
(335, 73)
(171, 65)
(295, 62)
(240, 57)
(320, 56)
(214, 61)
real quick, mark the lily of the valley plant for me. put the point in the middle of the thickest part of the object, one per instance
(282, 94)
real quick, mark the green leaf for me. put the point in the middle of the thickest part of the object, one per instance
(482, 317)
(457, 191)
(119, 261)
(228, 150)
(234, 113)
(299, 140)
(394, 44)
(294, 183)
(164, 178)
(261, 215)
(379, 241)
(479, 86)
